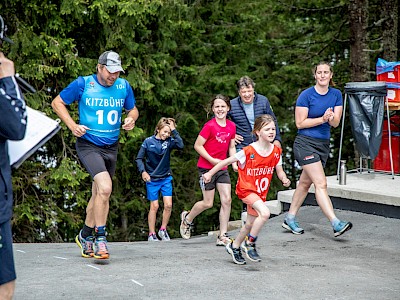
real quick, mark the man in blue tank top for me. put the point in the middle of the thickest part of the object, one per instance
(101, 99)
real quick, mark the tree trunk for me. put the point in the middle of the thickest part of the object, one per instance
(359, 57)
(390, 29)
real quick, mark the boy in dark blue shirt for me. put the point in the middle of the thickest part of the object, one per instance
(153, 162)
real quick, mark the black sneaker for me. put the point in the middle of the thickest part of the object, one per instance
(236, 254)
(250, 250)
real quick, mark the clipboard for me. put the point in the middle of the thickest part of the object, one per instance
(40, 128)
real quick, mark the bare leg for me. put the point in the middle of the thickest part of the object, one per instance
(152, 216)
(167, 211)
(263, 216)
(7, 290)
(89, 221)
(300, 193)
(224, 190)
(200, 206)
(101, 205)
(244, 231)
(316, 174)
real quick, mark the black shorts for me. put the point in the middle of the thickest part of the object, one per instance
(97, 159)
(221, 176)
(7, 268)
(308, 150)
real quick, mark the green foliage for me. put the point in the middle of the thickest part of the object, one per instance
(176, 55)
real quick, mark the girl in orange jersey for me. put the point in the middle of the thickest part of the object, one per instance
(256, 167)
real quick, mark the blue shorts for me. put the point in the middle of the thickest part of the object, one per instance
(7, 269)
(154, 187)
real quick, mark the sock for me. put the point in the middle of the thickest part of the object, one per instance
(335, 222)
(163, 228)
(290, 217)
(87, 231)
(251, 239)
(151, 233)
(100, 230)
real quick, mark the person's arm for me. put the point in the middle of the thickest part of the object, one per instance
(177, 142)
(140, 164)
(61, 110)
(302, 120)
(334, 121)
(223, 163)
(130, 120)
(12, 106)
(199, 147)
(282, 176)
(232, 151)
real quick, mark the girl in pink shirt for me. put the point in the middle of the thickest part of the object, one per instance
(213, 143)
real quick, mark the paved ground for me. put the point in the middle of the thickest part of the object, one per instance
(362, 264)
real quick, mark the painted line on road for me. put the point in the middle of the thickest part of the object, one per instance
(59, 257)
(138, 283)
(94, 267)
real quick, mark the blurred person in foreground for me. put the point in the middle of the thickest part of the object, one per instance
(12, 127)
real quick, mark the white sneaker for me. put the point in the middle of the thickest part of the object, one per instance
(223, 240)
(163, 234)
(185, 227)
(153, 238)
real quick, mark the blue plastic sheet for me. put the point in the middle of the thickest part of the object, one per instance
(383, 66)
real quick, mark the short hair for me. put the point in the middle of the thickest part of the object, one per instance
(161, 124)
(245, 81)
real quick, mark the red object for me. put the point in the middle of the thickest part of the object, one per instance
(393, 76)
(393, 95)
(382, 161)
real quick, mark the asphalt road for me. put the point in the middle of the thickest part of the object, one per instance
(364, 263)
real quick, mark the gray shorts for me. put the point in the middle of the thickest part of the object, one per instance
(97, 159)
(308, 150)
(221, 176)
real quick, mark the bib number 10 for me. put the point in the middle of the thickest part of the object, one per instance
(112, 117)
(262, 185)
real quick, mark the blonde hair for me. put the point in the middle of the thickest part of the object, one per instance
(161, 124)
(262, 121)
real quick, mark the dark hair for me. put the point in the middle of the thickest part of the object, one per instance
(245, 81)
(218, 97)
(262, 121)
(331, 82)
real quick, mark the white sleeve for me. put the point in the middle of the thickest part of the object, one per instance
(241, 157)
(280, 161)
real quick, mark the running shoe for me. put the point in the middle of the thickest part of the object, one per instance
(250, 250)
(86, 245)
(341, 228)
(185, 227)
(292, 226)
(163, 234)
(236, 254)
(223, 240)
(100, 248)
(153, 238)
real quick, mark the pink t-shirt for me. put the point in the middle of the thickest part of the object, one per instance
(217, 143)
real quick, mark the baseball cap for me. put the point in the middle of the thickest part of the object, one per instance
(112, 61)
(3, 29)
